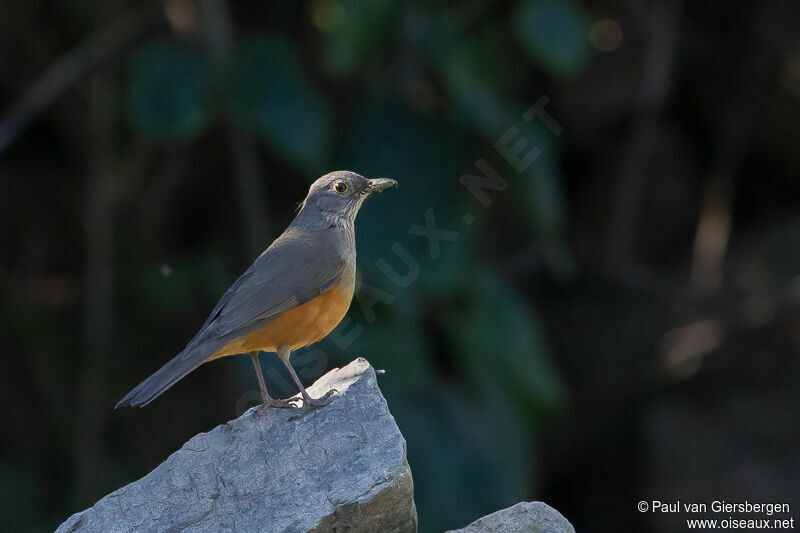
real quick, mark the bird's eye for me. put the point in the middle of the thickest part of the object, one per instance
(340, 187)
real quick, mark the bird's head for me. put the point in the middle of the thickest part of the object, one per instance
(336, 197)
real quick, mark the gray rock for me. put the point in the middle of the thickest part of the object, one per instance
(340, 468)
(524, 517)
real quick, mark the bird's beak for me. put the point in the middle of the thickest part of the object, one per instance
(379, 184)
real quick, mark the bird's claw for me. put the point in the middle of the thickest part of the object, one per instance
(312, 404)
(323, 400)
(285, 403)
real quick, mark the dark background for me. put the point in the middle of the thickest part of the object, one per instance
(622, 323)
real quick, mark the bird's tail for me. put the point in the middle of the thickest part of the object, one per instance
(165, 377)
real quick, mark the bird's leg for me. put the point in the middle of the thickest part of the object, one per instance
(265, 397)
(284, 352)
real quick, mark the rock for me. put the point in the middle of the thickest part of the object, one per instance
(524, 517)
(340, 468)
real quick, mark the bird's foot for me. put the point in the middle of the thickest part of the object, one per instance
(285, 403)
(323, 400)
(312, 404)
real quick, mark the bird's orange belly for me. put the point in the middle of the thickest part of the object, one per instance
(297, 327)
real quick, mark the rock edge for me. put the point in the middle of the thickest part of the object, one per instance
(341, 467)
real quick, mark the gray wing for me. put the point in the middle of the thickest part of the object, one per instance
(290, 273)
(293, 270)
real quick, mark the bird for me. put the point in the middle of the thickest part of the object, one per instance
(293, 295)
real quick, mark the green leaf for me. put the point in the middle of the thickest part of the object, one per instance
(501, 342)
(544, 204)
(270, 96)
(537, 191)
(554, 33)
(425, 155)
(168, 92)
(357, 33)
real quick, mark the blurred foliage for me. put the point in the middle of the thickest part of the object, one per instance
(555, 33)
(168, 92)
(475, 79)
(269, 96)
(357, 32)
(519, 364)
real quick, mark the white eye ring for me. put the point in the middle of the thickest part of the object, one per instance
(340, 187)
